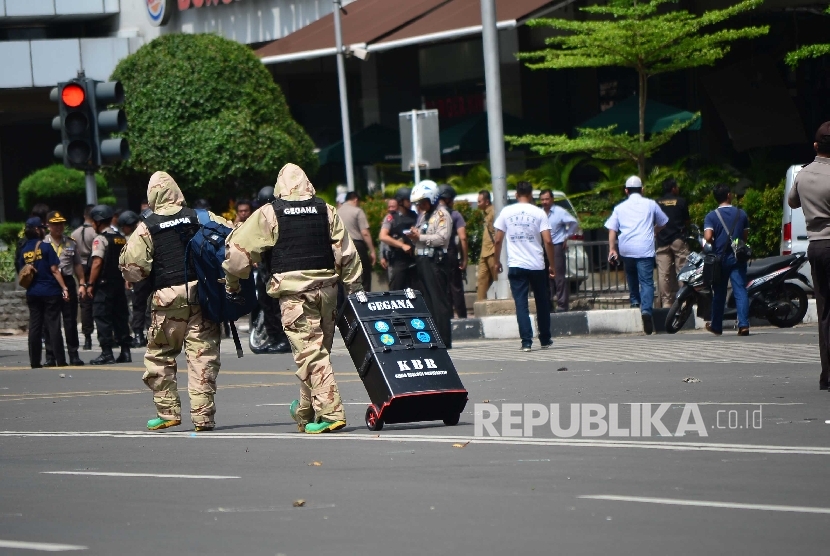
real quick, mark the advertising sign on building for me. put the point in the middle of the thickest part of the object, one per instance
(187, 4)
(159, 12)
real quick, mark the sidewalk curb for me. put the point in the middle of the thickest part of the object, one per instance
(580, 323)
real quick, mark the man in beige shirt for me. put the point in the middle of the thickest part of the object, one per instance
(487, 272)
(811, 192)
(357, 226)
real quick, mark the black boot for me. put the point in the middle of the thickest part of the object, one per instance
(105, 358)
(88, 343)
(140, 340)
(125, 356)
(74, 359)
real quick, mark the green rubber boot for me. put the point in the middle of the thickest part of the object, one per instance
(292, 409)
(158, 423)
(324, 426)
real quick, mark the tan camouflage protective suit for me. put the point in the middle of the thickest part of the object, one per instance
(175, 320)
(308, 299)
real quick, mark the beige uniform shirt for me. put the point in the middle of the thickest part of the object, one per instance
(487, 247)
(68, 256)
(84, 236)
(437, 233)
(354, 220)
(811, 191)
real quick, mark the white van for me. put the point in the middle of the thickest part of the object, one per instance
(793, 226)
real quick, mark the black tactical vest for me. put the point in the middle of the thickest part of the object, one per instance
(170, 236)
(110, 272)
(401, 222)
(305, 239)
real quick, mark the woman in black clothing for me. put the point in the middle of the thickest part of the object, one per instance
(44, 295)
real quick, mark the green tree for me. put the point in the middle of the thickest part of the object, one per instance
(61, 189)
(644, 38)
(809, 51)
(205, 109)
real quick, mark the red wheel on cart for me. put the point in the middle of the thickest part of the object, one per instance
(373, 420)
(452, 420)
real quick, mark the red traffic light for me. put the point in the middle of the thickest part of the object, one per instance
(73, 95)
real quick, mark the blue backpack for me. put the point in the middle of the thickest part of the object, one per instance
(207, 251)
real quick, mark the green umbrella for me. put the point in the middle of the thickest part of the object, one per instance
(626, 115)
(372, 144)
(471, 134)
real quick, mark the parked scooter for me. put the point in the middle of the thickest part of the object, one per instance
(771, 295)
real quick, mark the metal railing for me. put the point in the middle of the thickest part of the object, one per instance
(594, 283)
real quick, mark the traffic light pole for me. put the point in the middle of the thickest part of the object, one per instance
(91, 189)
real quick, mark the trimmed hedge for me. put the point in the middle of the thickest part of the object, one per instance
(205, 109)
(61, 189)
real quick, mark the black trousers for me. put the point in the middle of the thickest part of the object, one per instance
(455, 291)
(818, 253)
(69, 312)
(559, 287)
(141, 292)
(45, 312)
(404, 273)
(434, 281)
(270, 308)
(365, 262)
(109, 308)
(87, 320)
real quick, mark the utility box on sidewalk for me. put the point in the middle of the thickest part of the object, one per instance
(401, 359)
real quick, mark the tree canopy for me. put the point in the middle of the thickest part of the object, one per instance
(809, 51)
(204, 109)
(644, 38)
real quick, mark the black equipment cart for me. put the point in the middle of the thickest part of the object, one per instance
(402, 361)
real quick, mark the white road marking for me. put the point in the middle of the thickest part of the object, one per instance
(266, 509)
(41, 546)
(434, 439)
(711, 504)
(287, 404)
(153, 475)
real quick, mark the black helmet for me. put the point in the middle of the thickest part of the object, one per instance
(402, 194)
(446, 192)
(202, 204)
(100, 213)
(265, 195)
(127, 218)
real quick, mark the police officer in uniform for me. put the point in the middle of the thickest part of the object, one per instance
(84, 235)
(394, 232)
(139, 292)
(106, 286)
(70, 266)
(456, 253)
(156, 250)
(431, 235)
(310, 254)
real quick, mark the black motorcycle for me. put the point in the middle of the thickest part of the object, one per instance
(771, 295)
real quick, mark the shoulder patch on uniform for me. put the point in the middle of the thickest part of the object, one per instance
(389, 218)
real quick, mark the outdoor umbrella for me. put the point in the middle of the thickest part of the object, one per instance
(370, 145)
(471, 134)
(626, 115)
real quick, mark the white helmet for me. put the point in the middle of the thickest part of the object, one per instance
(426, 189)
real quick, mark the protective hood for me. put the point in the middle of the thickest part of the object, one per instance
(293, 184)
(163, 194)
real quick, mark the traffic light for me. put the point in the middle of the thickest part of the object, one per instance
(85, 123)
(75, 122)
(109, 150)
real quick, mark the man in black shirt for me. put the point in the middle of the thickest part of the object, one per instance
(671, 245)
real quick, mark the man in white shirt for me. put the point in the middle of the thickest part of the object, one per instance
(526, 227)
(636, 220)
(562, 225)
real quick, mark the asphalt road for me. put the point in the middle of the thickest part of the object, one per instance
(78, 472)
